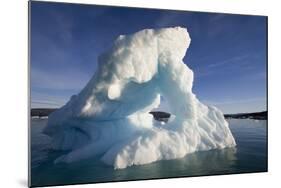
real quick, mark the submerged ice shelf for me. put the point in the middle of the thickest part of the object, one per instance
(110, 116)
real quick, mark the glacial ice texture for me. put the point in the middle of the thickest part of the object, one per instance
(110, 117)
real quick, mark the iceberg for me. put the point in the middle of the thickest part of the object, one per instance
(110, 117)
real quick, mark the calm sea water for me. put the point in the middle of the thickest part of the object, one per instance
(250, 155)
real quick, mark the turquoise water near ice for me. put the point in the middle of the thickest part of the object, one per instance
(250, 155)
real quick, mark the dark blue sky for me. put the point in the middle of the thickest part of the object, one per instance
(227, 52)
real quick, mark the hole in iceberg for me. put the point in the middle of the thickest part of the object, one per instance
(162, 113)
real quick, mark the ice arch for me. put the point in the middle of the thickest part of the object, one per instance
(109, 117)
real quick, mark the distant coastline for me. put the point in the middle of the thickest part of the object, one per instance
(160, 116)
(42, 112)
(254, 115)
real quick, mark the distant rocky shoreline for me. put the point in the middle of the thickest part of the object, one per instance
(254, 115)
(161, 116)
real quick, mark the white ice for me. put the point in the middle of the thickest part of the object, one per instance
(110, 117)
